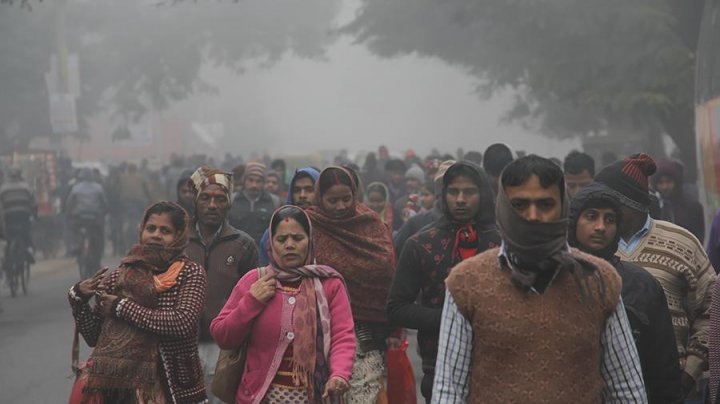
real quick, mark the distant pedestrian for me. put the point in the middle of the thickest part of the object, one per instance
(253, 205)
(579, 171)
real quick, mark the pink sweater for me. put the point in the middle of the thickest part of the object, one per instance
(270, 330)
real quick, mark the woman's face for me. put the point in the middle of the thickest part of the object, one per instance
(337, 201)
(375, 201)
(290, 243)
(158, 230)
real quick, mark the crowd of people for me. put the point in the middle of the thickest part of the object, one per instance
(527, 279)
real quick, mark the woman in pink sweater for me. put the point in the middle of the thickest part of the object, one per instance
(296, 319)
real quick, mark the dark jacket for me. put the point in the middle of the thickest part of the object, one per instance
(680, 208)
(252, 218)
(228, 257)
(644, 301)
(425, 262)
(414, 225)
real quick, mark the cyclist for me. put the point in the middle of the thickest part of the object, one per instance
(86, 206)
(18, 208)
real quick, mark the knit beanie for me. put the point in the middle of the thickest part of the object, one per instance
(628, 178)
(415, 172)
(254, 168)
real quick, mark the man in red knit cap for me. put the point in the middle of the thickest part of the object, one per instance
(670, 253)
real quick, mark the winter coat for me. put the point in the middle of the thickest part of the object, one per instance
(644, 301)
(425, 262)
(228, 257)
(252, 217)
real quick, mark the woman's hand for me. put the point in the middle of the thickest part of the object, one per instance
(89, 286)
(105, 302)
(335, 388)
(264, 288)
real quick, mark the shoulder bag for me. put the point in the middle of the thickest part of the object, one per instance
(230, 366)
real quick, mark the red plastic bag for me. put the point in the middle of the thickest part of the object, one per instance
(401, 379)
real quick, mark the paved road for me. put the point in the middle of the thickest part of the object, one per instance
(36, 336)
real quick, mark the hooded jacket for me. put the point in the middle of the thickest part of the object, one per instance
(644, 301)
(426, 260)
(679, 208)
(415, 224)
(263, 249)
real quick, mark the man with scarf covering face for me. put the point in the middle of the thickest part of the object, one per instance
(466, 228)
(226, 253)
(595, 228)
(533, 320)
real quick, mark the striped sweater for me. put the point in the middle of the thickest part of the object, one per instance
(677, 259)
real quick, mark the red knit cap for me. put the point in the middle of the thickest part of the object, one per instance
(629, 179)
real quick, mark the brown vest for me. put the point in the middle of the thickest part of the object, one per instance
(529, 347)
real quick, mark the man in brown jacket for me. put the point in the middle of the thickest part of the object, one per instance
(225, 252)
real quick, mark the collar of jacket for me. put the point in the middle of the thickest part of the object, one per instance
(263, 197)
(228, 232)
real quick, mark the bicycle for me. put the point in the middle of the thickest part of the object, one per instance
(88, 256)
(17, 266)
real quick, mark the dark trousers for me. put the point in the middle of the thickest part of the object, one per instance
(95, 234)
(17, 227)
(426, 385)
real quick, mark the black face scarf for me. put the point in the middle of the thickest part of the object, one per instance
(536, 248)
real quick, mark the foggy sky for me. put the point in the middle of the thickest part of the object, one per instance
(357, 101)
(350, 99)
